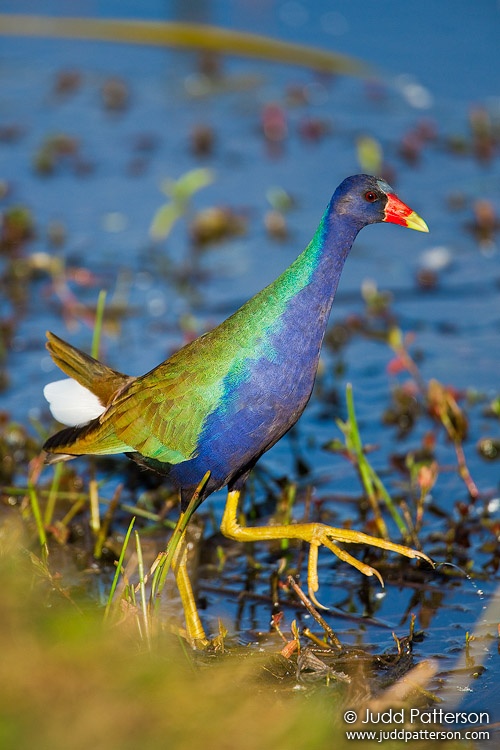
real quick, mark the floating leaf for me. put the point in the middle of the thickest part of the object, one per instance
(180, 192)
(369, 154)
(163, 220)
(188, 184)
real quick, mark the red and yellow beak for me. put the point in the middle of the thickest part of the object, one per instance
(397, 212)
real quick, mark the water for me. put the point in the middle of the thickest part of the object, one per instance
(436, 65)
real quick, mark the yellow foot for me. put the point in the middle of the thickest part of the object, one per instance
(194, 629)
(316, 534)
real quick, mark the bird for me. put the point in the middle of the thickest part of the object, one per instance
(223, 400)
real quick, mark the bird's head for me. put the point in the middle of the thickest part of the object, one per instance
(371, 200)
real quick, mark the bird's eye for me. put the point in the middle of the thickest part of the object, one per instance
(370, 196)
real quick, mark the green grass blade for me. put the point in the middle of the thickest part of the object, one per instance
(183, 35)
(161, 572)
(99, 317)
(142, 589)
(119, 567)
(35, 507)
(369, 477)
(53, 494)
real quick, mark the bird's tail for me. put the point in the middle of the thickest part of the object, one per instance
(99, 379)
(79, 401)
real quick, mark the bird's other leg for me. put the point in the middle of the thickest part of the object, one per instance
(194, 628)
(316, 534)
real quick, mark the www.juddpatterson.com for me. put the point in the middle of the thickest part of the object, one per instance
(417, 717)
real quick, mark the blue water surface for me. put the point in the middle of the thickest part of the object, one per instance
(436, 62)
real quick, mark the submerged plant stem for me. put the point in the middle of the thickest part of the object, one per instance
(315, 614)
(464, 472)
(106, 523)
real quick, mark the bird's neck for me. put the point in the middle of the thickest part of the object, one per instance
(290, 315)
(311, 281)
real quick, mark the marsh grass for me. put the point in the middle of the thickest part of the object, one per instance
(66, 681)
(77, 674)
(372, 484)
(69, 681)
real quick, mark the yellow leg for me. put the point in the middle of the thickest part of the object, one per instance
(194, 628)
(315, 534)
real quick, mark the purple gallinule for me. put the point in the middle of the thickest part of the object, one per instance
(223, 400)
